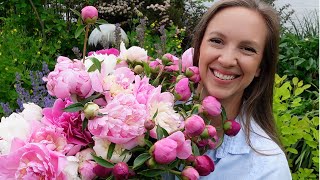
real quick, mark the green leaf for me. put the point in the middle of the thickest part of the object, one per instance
(140, 160)
(91, 98)
(110, 177)
(159, 132)
(155, 115)
(195, 149)
(164, 131)
(148, 143)
(84, 124)
(96, 65)
(101, 21)
(151, 172)
(102, 161)
(294, 151)
(79, 30)
(110, 150)
(75, 107)
(76, 12)
(97, 26)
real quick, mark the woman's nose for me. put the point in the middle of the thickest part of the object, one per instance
(228, 57)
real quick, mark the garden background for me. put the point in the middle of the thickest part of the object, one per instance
(33, 33)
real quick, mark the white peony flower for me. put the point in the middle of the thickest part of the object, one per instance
(101, 147)
(134, 53)
(108, 63)
(31, 112)
(10, 127)
(71, 168)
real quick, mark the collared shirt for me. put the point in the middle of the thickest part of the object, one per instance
(236, 160)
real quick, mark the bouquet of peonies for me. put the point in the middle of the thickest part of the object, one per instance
(118, 114)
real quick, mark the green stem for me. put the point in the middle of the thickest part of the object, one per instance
(85, 43)
(174, 172)
(223, 119)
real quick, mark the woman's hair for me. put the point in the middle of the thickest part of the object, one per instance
(258, 96)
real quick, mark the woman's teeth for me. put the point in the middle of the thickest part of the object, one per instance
(223, 76)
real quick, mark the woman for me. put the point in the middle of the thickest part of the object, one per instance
(236, 50)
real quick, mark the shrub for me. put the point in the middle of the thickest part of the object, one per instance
(298, 126)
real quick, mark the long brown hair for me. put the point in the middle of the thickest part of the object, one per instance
(258, 96)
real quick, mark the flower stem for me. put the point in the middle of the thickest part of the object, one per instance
(85, 42)
(174, 172)
(223, 119)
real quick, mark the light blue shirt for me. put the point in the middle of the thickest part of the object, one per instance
(236, 160)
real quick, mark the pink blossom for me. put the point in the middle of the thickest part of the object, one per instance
(165, 151)
(182, 90)
(175, 145)
(89, 14)
(70, 122)
(69, 78)
(121, 171)
(187, 59)
(174, 60)
(193, 74)
(204, 165)
(86, 170)
(162, 103)
(31, 161)
(231, 127)
(184, 149)
(124, 77)
(52, 137)
(211, 106)
(194, 125)
(113, 51)
(156, 64)
(123, 123)
(142, 89)
(102, 171)
(189, 173)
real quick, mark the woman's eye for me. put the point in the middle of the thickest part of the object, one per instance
(250, 49)
(216, 41)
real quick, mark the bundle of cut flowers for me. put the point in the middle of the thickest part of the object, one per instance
(119, 114)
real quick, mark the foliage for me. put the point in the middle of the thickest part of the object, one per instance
(167, 39)
(299, 57)
(298, 126)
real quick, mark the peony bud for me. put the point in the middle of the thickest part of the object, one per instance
(149, 124)
(165, 151)
(231, 127)
(89, 14)
(204, 165)
(102, 171)
(182, 90)
(193, 74)
(138, 69)
(189, 173)
(211, 106)
(91, 110)
(194, 125)
(121, 171)
(209, 132)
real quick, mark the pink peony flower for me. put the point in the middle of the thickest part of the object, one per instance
(187, 59)
(31, 161)
(86, 170)
(89, 14)
(174, 60)
(121, 171)
(189, 173)
(204, 165)
(209, 132)
(69, 78)
(165, 151)
(123, 123)
(142, 89)
(182, 90)
(194, 125)
(102, 171)
(167, 117)
(211, 106)
(193, 74)
(124, 77)
(52, 137)
(184, 149)
(231, 127)
(70, 122)
(113, 51)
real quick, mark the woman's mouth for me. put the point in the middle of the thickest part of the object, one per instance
(223, 76)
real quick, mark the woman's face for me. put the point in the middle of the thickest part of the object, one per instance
(231, 52)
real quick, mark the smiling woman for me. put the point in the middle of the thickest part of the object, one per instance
(236, 50)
